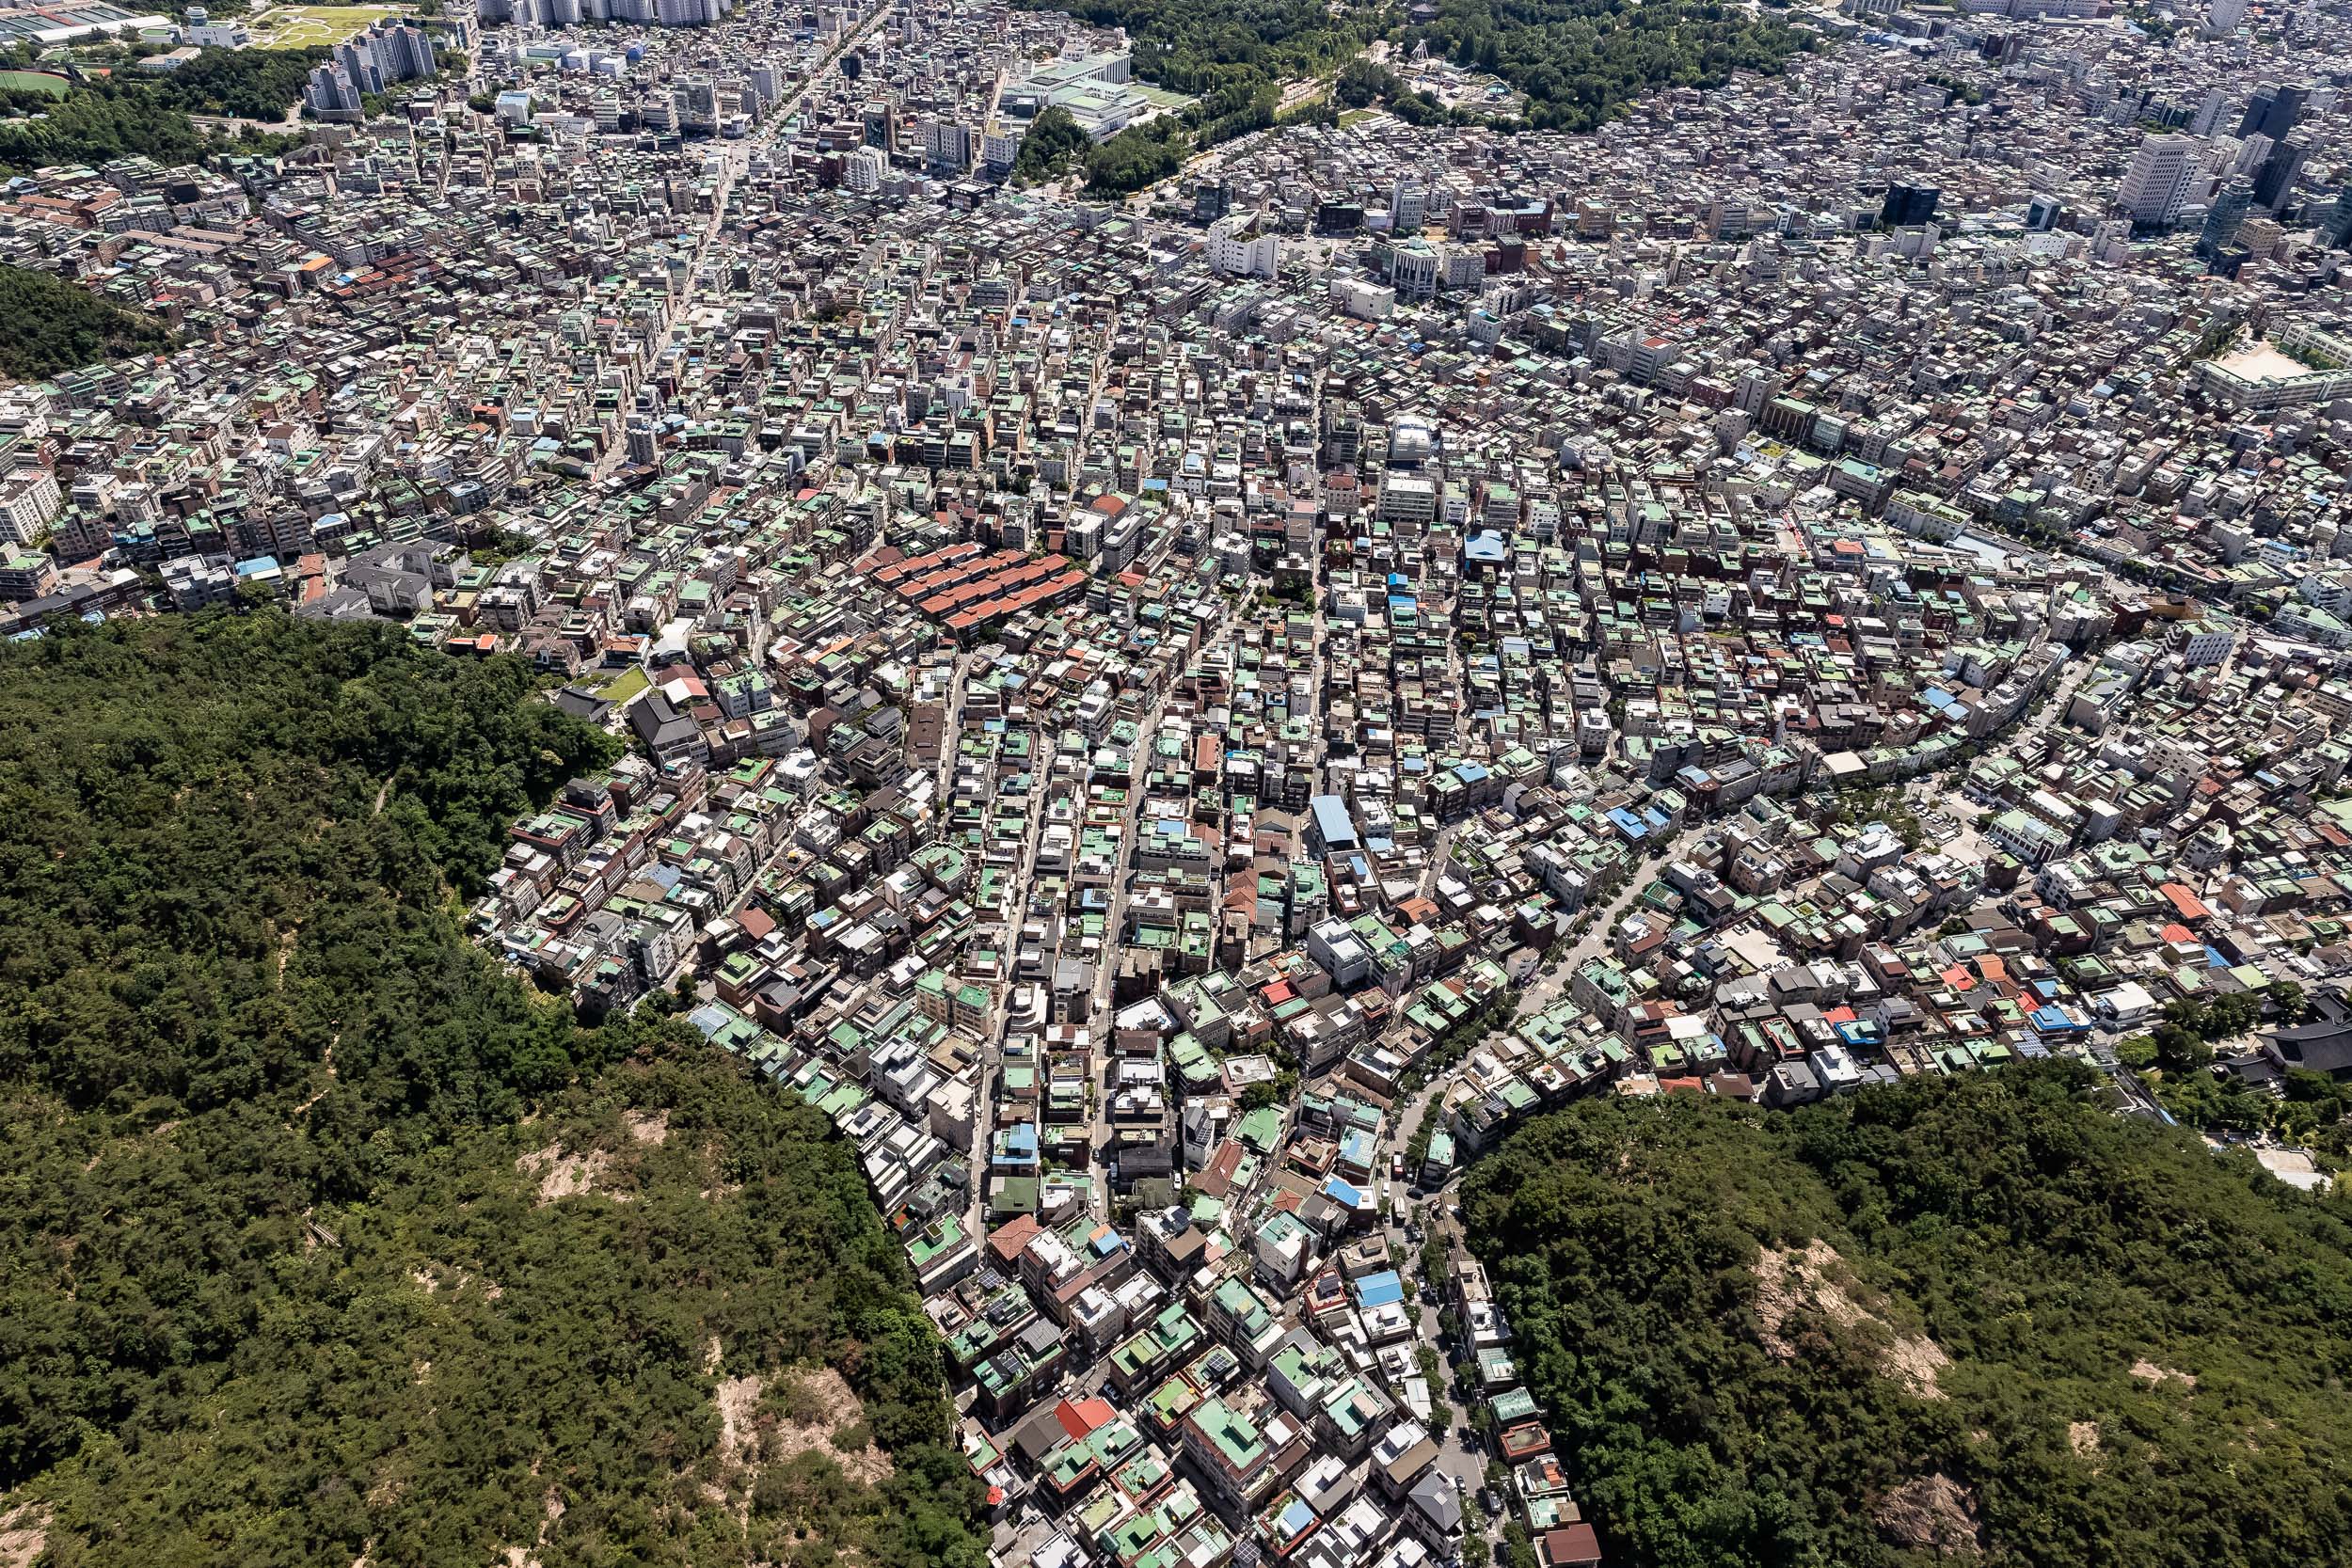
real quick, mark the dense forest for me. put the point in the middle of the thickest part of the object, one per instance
(48, 324)
(1980, 1317)
(324, 1237)
(1201, 47)
(1232, 59)
(250, 83)
(1581, 62)
(114, 120)
(1138, 156)
(256, 84)
(1052, 141)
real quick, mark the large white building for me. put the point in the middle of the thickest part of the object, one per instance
(2202, 641)
(2158, 182)
(205, 33)
(1416, 268)
(48, 24)
(1237, 244)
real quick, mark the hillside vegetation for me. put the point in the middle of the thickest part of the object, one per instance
(1583, 62)
(1232, 59)
(48, 326)
(1976, 1320)
(117, 118)
(323, 1239)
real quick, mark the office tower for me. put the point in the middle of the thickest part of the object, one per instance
(947, 147)
(2272, 111)
(2041, 214)
(2286, 110)
(2276, 182)
(2228, 209)
(865, 171)
(1909, 206)
(2335, 221)
(2223, 16)
(2257, 107)
(2157, 181)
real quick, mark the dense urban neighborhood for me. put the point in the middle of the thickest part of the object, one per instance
(1182, 656)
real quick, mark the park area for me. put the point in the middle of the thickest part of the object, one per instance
(313, 26)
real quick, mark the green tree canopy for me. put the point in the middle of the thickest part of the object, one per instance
(1981, 1312)
(1050, 142)
(1581, 62)
(48, 326)
(287, 1276)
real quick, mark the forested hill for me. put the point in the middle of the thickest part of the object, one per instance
(1980, 1319)
(1581, 63)
(323, 1239)
(48, 324)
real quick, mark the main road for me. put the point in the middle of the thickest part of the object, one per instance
(735, 158)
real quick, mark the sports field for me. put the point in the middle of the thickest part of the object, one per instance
(305, 27)
(32, 81)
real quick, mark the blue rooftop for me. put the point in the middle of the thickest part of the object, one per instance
(1332, 821)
